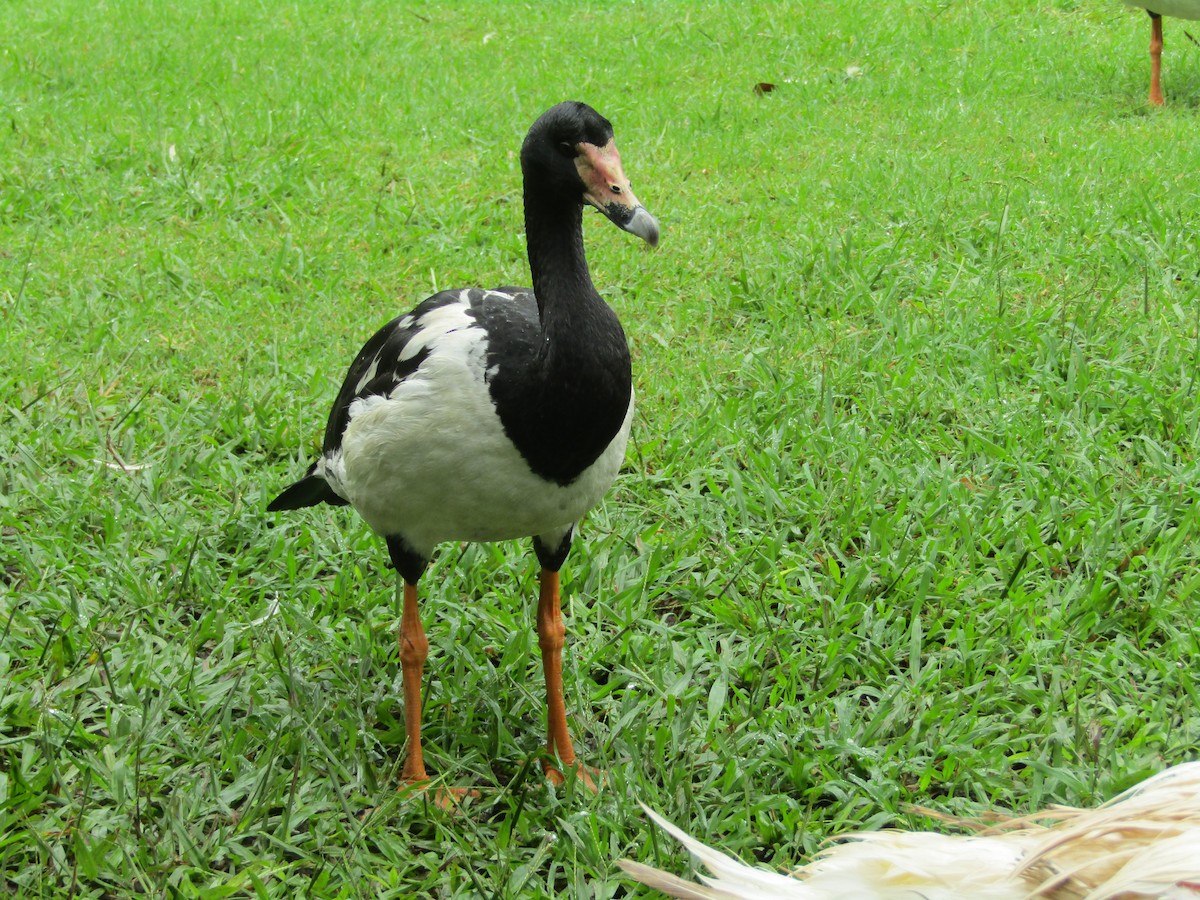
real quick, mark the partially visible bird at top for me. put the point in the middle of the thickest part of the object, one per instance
(489, 415)
(1143, 843)
(1179, 9)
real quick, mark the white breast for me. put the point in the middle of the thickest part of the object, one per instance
(1180, 9)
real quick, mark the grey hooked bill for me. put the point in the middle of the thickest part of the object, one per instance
(643, 225)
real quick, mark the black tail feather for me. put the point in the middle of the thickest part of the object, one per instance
(308, 491)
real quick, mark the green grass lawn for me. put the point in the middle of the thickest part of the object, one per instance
(909, 513)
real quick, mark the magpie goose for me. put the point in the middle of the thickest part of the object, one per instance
(489, 415)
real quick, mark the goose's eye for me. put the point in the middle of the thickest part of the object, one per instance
(566, 149)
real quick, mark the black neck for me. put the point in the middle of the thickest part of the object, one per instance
(554, 242)
(563, 405)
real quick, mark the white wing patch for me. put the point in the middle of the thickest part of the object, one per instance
(436, 325)
(368, 376)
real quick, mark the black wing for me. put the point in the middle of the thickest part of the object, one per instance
(308, 491)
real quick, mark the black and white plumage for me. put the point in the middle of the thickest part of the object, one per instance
(487, 415)
(440, 432)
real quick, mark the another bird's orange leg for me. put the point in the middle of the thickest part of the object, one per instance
(414, 648)
(551, 634)
(1156, 47)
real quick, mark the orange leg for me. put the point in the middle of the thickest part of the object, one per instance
(1156, 47)
(551, 633)
(414, 648)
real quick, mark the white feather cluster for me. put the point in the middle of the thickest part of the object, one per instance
(1143, 843)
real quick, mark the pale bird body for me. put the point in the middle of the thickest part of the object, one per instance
(1177, 9)
(1143, 843)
